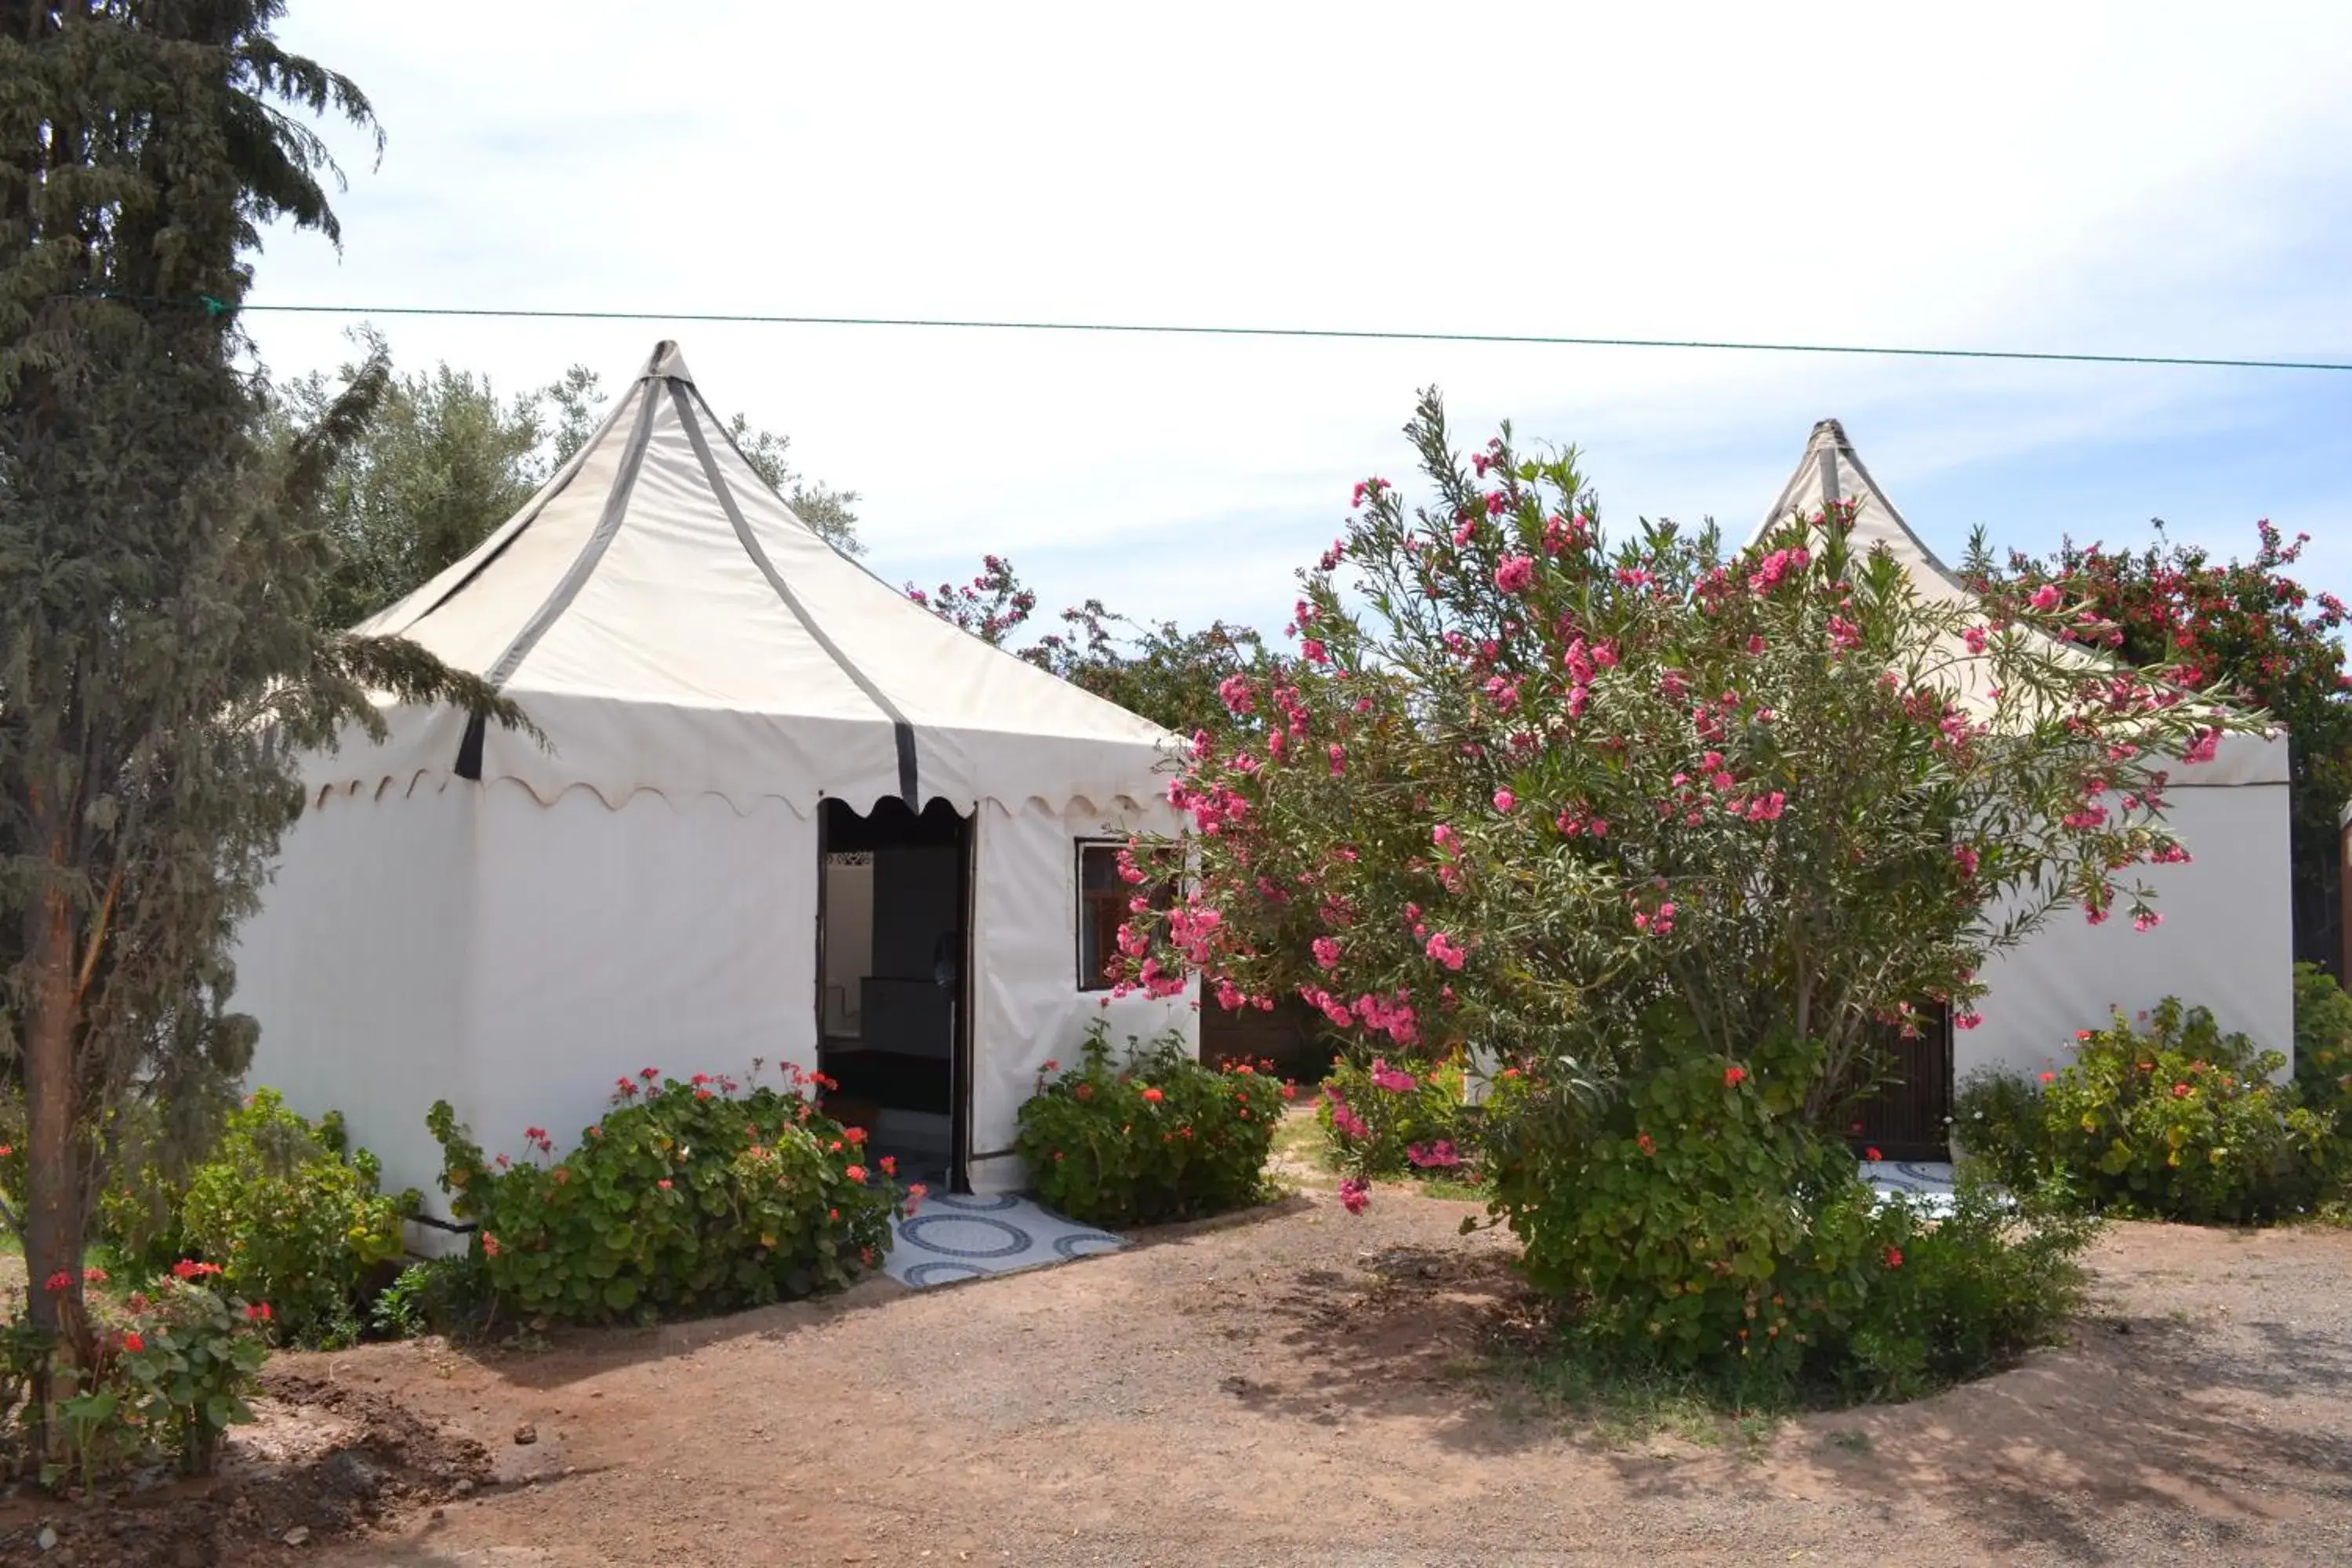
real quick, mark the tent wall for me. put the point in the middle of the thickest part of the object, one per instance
(471, 945)
(2226, 944)
(360, 968)
(1027, 1005)
(670, 934)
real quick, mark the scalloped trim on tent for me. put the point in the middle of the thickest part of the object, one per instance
(670, 625)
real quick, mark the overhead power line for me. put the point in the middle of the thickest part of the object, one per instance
(1167, 328)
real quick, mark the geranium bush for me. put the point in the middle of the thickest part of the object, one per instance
(1610, 807)
(163, 1371)
(701, 1195)
(1151, 1138)
(2171, 1118)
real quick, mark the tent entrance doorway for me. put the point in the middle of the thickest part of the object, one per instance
(894, 968)
(1907, 1115)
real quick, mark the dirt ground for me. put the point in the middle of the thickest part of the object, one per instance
(1295, 1387)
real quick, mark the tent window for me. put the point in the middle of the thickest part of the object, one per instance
(1104, 901)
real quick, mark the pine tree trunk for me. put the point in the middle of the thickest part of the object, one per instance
(53, 1208)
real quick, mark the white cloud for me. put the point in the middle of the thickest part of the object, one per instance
(2105, 178)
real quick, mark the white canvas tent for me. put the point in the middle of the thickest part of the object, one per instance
(467, 915)
(2227, 939)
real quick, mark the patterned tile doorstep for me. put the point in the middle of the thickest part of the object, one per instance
(959, 1238)
(1930, 1183)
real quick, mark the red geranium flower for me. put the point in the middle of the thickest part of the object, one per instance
(1735, 1075)
(1869, 1154)
(855, 1173)
(259, 1312)
(131, 1341)
(1153, 1095)
(1895, 1258)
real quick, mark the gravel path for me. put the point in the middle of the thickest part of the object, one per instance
(1294, 1389)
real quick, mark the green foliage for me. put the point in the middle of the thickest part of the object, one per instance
(686, 1198)
(1997, 1117)
(2323, 1043)
(1168, 675)
(1158, 1137)
(1979, 1285)
(1704, 1226)
(161, 652)
(291, 1219)
(2172, 1121)
(444, 1296)
(1383, 1120)
(442, 460)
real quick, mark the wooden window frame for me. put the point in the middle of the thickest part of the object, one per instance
(1101, 912)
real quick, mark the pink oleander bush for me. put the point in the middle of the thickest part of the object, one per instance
(1383, 1119)
(1626, 809)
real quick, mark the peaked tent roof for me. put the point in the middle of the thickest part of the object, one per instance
(669, 625)
(1830, 471)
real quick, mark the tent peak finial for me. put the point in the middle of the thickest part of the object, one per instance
(667, 364)
(1829, 432)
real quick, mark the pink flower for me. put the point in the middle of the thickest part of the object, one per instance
(1966, 1020)
(2147, 919)
(1967, 857)
(2202, 749)
(1444, 950)
(2181, 1091)
(1517, 575)
(1327, 952)
(1505, 801)
(1975, 637)
(1354, 1196)
(2050, 1078)
(2046, 596)
(1440, 1155)
(663, 1183)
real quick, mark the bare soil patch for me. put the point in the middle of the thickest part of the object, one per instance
(322, 1460)
(1299, 1386)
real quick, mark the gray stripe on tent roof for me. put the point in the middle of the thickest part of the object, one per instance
(902, 731)
(469, 764)
(616, 509)
(517, 526)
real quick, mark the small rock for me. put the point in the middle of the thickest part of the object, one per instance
(465, 1487)
(47, 1539)
(297, 1535)
(526, 1433)
(440, 1513)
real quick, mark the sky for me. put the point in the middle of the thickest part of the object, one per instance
(2148, 178)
